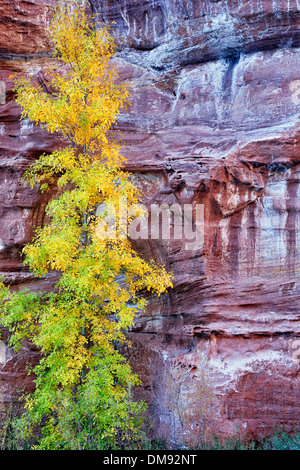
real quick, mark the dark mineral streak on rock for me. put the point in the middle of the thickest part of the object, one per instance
(214, 121)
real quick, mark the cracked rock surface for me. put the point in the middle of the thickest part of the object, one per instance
(214, 121)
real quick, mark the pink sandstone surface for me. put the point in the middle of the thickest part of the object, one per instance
(214, 120)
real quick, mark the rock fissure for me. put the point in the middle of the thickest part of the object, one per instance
(214, 120)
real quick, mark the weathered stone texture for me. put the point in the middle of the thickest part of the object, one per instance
(214, 121)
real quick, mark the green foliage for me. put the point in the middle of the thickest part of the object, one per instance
(83, 393)
(9, 413)
(282, 440)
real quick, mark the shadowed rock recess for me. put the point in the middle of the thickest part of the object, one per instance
(214, 121)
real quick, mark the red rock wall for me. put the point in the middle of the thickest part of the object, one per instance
(214, 121)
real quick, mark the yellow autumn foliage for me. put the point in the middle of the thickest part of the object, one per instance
(102, 281)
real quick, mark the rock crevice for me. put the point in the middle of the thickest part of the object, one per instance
(214, 121)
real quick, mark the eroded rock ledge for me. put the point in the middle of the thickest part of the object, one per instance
(214, 121)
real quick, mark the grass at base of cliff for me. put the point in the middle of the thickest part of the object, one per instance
(280, 440)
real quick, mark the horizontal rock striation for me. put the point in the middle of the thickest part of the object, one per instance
(214, 122)
(183, 32)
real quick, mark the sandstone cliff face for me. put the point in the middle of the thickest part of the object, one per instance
(214, 121)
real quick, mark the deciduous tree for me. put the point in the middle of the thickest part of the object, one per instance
(82, 397)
